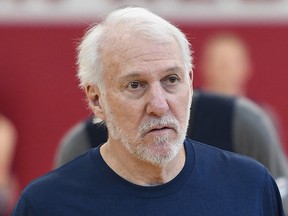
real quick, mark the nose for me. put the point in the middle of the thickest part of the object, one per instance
(157, 104)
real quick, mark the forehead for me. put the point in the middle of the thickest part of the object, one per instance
(224, 46)
(135, 53)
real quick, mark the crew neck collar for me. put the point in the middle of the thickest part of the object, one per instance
(147, 191)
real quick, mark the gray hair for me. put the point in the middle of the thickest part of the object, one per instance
(129, 19)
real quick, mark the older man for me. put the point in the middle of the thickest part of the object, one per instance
(136, 70)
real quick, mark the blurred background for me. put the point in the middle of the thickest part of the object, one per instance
(39, 92)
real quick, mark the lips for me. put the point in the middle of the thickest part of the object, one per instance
(160, 129)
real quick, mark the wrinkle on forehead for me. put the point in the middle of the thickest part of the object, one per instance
(130, 48)
(118, 39)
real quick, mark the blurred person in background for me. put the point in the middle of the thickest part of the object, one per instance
(226, 68)
(225, 65)
(8, 136)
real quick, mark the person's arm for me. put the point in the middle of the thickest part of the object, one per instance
(73, 144)
(7, 146)
(255, 135)
(8, 136)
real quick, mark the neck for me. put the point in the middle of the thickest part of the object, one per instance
(137, 171)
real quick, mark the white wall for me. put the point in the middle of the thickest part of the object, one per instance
(198, 11)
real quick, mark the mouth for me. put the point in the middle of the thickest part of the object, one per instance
(160, 129)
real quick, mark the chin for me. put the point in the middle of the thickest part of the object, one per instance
(159, 155)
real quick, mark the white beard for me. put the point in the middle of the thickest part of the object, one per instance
(160, 150)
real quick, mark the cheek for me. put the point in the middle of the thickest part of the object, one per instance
(126, 112)
(181, 106)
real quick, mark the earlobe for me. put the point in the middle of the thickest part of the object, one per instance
(93, 95)
(191, 77)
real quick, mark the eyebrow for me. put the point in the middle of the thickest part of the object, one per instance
(136, 74)
(175, 69)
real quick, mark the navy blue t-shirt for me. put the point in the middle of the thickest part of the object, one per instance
(212, 182)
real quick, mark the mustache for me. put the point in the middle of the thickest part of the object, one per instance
(156, 123)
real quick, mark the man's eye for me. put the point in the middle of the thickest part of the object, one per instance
(134, 85)
(172, 79)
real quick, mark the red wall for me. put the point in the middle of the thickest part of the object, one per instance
(39, 92)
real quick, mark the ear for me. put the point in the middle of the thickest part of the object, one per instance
(191, 78)
(93, 95)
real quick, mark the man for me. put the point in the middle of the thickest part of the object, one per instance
(230, 123)
(136, 70)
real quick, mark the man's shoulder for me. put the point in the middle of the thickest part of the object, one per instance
(56, 190)
(207, 155)
(69, 175)
(229, 168)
